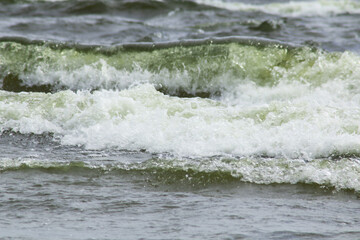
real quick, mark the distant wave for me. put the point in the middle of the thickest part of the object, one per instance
(79, 7)
(293, 9)
(290, 8)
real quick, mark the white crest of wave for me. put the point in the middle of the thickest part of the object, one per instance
(92, 76)
(101, 75)
(292, 8)
(291, 120)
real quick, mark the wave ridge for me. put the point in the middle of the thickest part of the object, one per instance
(291, 9)
(341, 174)
(207, 67)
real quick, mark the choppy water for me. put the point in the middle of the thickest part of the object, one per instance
(204, 119)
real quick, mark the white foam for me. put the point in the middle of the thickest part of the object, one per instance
(292, 8)
(308, 123)
(101, 75)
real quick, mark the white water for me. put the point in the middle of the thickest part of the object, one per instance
(292, 8)
(288, 120)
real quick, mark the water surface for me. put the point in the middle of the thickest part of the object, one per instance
(204, 119)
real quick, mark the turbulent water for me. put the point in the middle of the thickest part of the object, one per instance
(203, 119)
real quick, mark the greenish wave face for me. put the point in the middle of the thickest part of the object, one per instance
(202, 69)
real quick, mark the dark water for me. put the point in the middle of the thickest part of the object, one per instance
(203, 119)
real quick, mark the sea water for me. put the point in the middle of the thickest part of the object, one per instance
(204, 119)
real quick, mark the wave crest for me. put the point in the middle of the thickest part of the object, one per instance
(341, 175)
(207, 68)
(292, 8)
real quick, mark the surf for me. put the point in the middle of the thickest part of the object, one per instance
(208, 67)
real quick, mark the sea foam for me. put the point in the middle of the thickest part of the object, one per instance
(292, 8)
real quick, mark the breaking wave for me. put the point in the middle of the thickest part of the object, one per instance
(340, 175)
